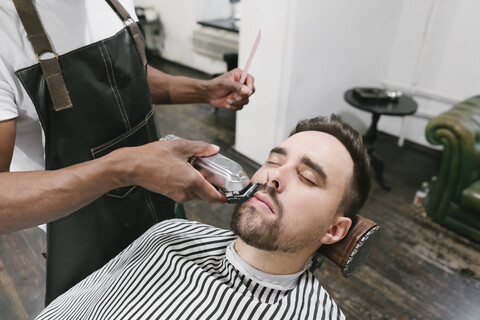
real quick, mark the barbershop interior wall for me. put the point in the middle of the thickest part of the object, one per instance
(448, 71)
(312, 51)
(179, 20)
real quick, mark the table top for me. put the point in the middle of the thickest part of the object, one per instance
(399, 107)
(224, 24)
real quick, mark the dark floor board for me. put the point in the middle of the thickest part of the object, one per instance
(22, 274)
(202, 124)
(418, 270)
(11, 305)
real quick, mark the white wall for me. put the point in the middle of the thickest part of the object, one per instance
(257, 123)
(331, 46)
(450, 69)
(312, 51)
(179, 19)
(340, 45)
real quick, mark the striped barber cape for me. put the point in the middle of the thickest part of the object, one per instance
(179, 270)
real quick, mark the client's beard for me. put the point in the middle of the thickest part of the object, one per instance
(263, 236)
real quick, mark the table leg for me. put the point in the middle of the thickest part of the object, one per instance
(376, 162)
(371, 134)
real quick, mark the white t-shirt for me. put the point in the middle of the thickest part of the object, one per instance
(69, 24)
(182, 269)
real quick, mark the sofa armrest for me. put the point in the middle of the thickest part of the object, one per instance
(458, 131)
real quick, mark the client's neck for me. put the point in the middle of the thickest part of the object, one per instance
(273, 262)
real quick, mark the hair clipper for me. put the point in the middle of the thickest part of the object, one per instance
(225, 174)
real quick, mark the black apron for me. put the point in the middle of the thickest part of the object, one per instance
(110, 108)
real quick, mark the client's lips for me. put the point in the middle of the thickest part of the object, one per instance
(265, 199)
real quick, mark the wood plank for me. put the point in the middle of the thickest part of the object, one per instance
(11, 305)
(24, 267)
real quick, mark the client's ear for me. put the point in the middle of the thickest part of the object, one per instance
(337, 231)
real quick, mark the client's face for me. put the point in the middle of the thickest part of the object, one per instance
(304, 180)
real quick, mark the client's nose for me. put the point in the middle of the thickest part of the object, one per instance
(274, 179)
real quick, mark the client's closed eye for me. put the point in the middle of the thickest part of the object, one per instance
(308, 180)
(272, 163)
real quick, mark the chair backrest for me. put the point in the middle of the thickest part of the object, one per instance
(352, 251)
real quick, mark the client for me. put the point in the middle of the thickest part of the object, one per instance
(312, 185)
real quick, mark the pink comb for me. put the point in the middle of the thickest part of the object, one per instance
(250, 58)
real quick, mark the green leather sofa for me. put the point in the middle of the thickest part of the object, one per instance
(454, 200)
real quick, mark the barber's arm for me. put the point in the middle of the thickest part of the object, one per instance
(7, 142)
(224, 91)
(31, 198)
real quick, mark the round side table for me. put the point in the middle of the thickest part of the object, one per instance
(400, 106)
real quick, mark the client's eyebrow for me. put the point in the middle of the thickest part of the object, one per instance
(279, 150)
(306, 161)
(315, 167)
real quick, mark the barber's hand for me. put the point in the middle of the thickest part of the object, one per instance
(163, 167)
(226, 91)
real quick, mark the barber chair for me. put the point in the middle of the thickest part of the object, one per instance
(454, 200)
(353, 250)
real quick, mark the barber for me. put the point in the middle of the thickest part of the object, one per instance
(107, 177)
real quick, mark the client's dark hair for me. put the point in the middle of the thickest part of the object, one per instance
(357, 193)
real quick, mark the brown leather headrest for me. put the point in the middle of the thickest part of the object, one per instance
(352, 251)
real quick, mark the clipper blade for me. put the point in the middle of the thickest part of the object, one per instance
(243, 195)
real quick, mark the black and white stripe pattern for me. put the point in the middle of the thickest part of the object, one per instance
(178, 270)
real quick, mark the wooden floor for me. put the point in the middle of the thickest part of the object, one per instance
(418, 270)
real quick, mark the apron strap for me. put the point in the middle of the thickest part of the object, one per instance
(132, 27)
(41, 45)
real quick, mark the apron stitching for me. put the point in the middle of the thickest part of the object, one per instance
(122, 137)
(150, 206)
(115, 92)
(36, 36)
(37, 108)
(122, 196)
(28, 68)
(115, 84)
(111, 87)
(53, 75)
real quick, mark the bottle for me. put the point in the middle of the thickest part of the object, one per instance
(421, 194)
